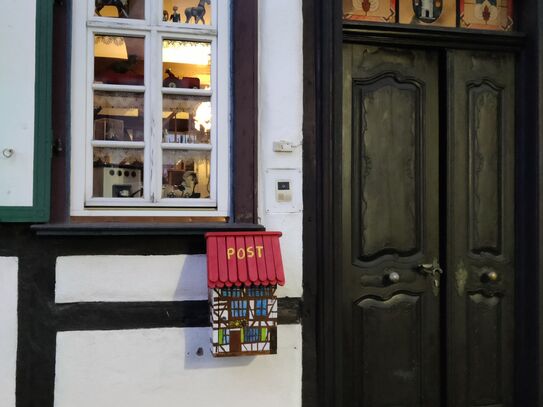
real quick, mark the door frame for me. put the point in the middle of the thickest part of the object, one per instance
(324, 34)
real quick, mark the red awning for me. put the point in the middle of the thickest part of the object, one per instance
(250, 258)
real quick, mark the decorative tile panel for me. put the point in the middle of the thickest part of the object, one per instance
(370, 10)
(486, 14)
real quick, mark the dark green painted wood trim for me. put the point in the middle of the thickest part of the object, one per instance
(39, 211)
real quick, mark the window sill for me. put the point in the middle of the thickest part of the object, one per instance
(140, 229)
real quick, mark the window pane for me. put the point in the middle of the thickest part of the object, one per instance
(187, 11)
(120, 8)
(118, 60)
(117, 173)
(186, 64)
(185, 174)
(186, 119)
(370, 10)
(118, 116)
(486, 14)
(428, 12)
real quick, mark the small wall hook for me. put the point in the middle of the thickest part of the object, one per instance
(8, 152)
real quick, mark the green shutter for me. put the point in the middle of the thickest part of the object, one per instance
(264, 334)
(39, 211)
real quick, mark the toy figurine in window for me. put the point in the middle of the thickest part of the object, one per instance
(244, 270)
(172, 81)
(165, 15)
(121, 5)
(188, 186)
(175, 16)
(197, 12)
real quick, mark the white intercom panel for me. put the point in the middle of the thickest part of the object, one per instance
(283, 192)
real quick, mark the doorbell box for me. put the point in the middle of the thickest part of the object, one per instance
(283, 190)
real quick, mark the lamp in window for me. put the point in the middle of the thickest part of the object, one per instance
(202, 118)
(186, 52)
(110, 47)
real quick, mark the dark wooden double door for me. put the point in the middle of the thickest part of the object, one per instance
(427, 224)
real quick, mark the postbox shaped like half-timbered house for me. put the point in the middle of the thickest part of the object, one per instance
(244, 270)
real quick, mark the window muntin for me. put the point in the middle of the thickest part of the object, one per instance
(232, 292)
(238, 309)
(252, 335)
(163, 122)
(261, 308)
(224, 336)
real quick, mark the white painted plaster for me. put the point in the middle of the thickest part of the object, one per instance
(8, 329)
(18, 45)
(281, 118)
(291, 248)
(131, 278)
(160, 367)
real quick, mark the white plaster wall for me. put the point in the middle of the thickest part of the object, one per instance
(8, 330)
(281, 118)
(131, 278)
(160, 367)
(17, 43)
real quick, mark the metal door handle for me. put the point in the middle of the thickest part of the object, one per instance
(491, 276)
(433, 270)
(393, 277)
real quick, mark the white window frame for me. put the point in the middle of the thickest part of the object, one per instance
(84, 26)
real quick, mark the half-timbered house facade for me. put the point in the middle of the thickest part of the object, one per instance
(396, 144)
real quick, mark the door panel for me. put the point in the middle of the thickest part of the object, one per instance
(392, 330)
(385, 168)
(480, 242)
(390, 225)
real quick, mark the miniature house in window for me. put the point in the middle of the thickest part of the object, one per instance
(244, 269)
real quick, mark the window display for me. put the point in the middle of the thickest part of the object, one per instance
(185, 174)
(187, 11)
(186, 119)
(119, 60)
(186, 64)
(120, 8)
(153, 131)
(117, 173)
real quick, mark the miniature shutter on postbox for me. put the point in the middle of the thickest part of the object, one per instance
(243, 272)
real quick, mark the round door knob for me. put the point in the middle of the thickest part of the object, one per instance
(394, 277)
(492, 276)
(8, 152)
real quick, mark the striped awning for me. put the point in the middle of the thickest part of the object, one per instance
(244, 258)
